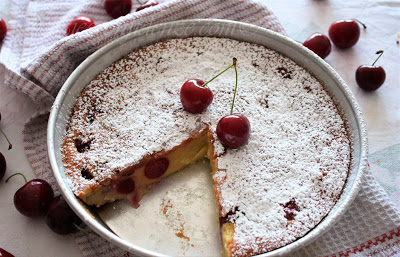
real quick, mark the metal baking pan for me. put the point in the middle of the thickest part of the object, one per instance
(160, 226)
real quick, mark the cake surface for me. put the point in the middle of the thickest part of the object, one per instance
(270, 192)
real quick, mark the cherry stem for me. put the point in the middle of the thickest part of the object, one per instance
(83, 230)
(218, 75)
(139, 2)
(380, 52)
(236, 82)
(9, 143)
(18, 173)
(365, 26)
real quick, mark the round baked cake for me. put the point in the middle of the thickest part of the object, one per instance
(129, 129)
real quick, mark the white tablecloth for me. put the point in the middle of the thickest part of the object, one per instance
(31, 237)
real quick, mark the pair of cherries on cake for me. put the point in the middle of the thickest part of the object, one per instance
(233, 130)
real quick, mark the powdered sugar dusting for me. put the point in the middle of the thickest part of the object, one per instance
(275, 188)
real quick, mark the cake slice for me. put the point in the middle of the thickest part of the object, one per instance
(128, 130)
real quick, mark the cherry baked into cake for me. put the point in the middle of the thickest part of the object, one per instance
(129, 129)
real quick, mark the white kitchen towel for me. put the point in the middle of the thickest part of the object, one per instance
(38, 58)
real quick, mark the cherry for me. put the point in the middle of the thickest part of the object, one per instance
(79, 24)
(156, 168)
(124, 186)
(370, 78)
(118, 8)
(148, 4)
(345, 33)
(3, 29)
(4, 253)
(319, 44)
(60, 218)
(3, 166)
(195, 97)
(233, 130)
(33, 199)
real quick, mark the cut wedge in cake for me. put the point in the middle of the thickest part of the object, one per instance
(128, 130)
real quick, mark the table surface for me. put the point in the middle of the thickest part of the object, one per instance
(31, 237)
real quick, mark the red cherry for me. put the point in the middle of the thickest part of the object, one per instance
(194, 94)
(371, 77)
(344, 33)
(233, 130)
(4, 253)
(60, 218)
(156, 168)
(124, 186)
(148, 4)
(118, 8)
(3, 29)
(319, 44)
(79, 24)
(195, 97)
(33, 199)
(3, 166)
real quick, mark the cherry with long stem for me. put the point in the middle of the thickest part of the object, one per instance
(371, 77)
(233, 130)
(33, 199)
